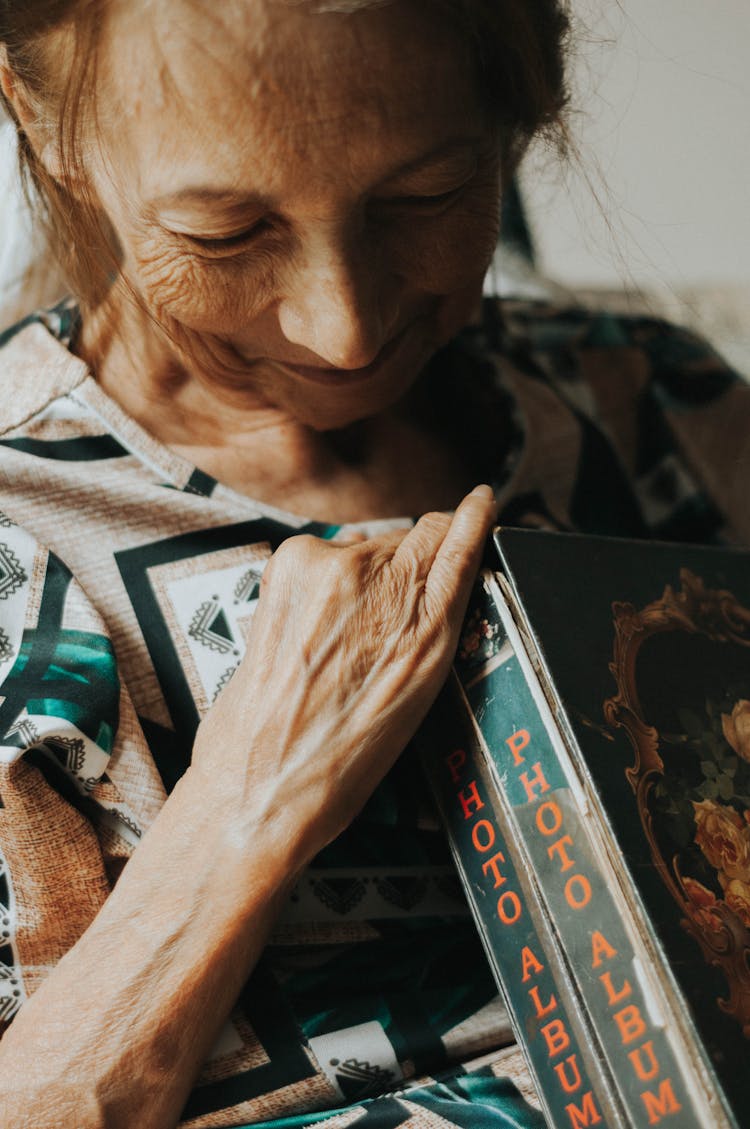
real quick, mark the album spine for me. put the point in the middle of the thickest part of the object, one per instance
(574, 1089)
(548, 828)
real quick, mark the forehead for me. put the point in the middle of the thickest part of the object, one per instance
(196, 82)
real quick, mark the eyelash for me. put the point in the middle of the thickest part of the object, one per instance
(242, 239)
(239, 239)
(427, 202)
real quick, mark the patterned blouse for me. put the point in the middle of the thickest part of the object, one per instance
(128, 579)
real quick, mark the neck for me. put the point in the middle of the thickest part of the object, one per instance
(139, 367)
(351, 474)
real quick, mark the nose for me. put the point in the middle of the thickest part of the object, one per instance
(336, 304)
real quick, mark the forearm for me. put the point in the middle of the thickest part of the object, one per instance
(347, 650)
(117, 1033)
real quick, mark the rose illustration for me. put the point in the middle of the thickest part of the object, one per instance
(469, 643)
(704, 903)
(737, 897)
(724, 838)
(478, 638)
(736, 728)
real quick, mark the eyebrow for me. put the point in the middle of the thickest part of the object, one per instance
(206, 194)
(454, 148)
(232, 197)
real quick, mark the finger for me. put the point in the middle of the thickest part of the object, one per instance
(417, 552)
(390, 539)
(459, 555)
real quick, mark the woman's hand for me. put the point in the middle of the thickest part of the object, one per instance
(348, 648)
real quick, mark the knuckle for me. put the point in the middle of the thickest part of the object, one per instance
(291, 559)
(294, 549)
(435, 520)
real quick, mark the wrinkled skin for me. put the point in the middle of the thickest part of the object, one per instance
(333, 688)
(362, 184)
(285, 331)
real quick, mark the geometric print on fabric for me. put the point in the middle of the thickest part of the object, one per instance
(61, 694)
(83, 760)
(69, 751)
(59, 709)
(20, 558)
(359, 1061)
(6, 649)
(56, 664)
(374, 894)
(205, 620)
(12, 994)
(194, 596)
(478, 1098)
(63, 686)
(359, 945)
(25, 733)
(284, 1059)
(12, 575)
(209, 626)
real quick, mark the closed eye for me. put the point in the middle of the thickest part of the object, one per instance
(226, 242)
(423, 201)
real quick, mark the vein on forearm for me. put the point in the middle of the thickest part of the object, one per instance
(123, 1023)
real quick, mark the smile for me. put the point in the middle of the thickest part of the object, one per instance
(334, 377)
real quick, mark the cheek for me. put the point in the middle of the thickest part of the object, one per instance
(453, 251)
(204, 295)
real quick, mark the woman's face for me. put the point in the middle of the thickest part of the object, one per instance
(306, 201)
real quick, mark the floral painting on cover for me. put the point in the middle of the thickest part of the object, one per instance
(682, 667)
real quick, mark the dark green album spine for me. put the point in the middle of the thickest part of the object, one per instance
(547, 825)
(520, 946)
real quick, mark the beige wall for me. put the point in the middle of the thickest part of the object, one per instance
(661, 90)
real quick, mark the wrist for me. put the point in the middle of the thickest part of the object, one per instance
(257, 840)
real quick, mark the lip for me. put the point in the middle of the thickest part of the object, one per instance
(333, 377)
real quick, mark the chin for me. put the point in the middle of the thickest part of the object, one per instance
(339, 400)
(332, 413)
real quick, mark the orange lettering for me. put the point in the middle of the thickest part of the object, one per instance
(536, 780)
(491, 864)
(558, 848)
(529, 963)
(600, 949)
(454, 763)
(509, 908)
(613, 994)
(577, 891)
(569, 1085)
(644, 1073)
(631, 1024)
(551, 825)
(556, 1037)
(472, 798)
(540, 1008)
(475, 837)
(588, 1114)
(658, 1106)
(518, 741)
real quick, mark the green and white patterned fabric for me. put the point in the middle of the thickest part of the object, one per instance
(128, 581)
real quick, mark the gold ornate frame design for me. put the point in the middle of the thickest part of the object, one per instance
(716, 614)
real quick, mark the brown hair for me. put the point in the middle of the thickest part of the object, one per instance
(77, 231)
(519, 46)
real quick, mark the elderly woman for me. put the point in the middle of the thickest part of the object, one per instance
(276, 216)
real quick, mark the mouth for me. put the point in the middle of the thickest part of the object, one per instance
(335, 377)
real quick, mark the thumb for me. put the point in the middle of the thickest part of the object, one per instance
(458, 559)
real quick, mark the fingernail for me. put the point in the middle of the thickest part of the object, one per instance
(483, 491)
